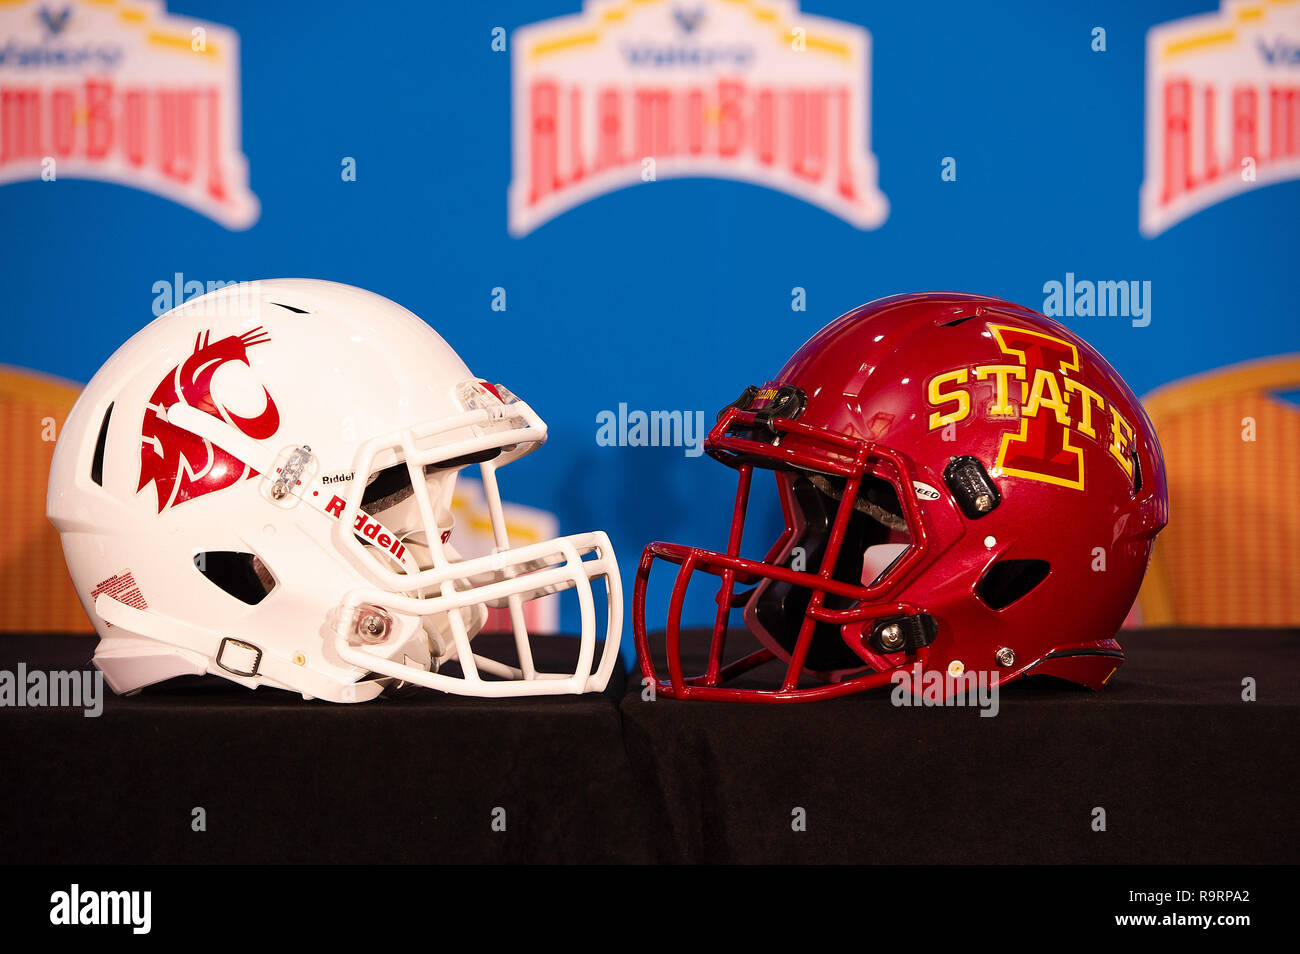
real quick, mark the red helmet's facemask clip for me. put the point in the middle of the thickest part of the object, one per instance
(819, 601)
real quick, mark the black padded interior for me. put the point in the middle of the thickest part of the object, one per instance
(780, 607)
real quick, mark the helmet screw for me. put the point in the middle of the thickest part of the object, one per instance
(373, 626)
(984, 503)
(278, 490)
(891, 636)
(1005, 656)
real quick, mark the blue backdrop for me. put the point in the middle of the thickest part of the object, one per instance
(673, 295)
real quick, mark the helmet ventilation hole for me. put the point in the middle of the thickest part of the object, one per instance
(1008, 580)
(296, 311)
(97, 461)
(241, 575)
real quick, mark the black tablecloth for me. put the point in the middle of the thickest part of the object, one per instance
(1184, 769)
(415, 779)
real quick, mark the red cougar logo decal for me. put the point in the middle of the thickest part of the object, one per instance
(181, 465)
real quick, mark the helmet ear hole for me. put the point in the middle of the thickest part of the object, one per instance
(241, 575)
(97, 461)
(1009, 580)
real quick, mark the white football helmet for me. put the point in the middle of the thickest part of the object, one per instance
(258, 485)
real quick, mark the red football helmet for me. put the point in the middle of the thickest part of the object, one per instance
(967, 486)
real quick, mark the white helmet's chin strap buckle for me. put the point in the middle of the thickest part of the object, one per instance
(238, 657)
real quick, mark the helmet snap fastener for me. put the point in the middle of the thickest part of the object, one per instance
(373, 624)
(891, 636)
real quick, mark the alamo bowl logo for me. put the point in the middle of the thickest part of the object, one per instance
(1223, 108)
(630, 91)
(126, 93)
(182, 465)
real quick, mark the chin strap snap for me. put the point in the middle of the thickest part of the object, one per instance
(897, 634)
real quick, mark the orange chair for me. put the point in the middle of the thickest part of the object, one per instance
(36, 594)
(1231, 553)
